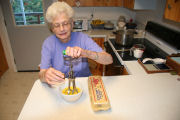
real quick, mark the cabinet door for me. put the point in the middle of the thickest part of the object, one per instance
(140, 4)
(128, 4)
(70, 2)
(82, 3)
(113, 3)
(172, 10)
(3, 62)
(96, 68)
(94, 3)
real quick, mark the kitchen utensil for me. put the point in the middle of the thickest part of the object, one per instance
(124, 37)
(71, 79)
(155, 60)
(73, 97)
(121, 22)
(131, 25)
(109, 25)
(121, 19)
(137, 50)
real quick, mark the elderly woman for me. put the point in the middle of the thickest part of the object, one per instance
(77, 45)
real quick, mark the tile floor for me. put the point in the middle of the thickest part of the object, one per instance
(14, 89)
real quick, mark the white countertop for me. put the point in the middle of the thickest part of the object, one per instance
(139, 96)
(99, 33)
(109, 33)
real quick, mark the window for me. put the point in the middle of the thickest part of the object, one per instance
(27, 12)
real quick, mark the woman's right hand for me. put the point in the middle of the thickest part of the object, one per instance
(51, 76)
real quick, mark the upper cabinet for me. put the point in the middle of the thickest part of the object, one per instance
(140, 4)
(118, 3)
(172, 10)
(94, 3)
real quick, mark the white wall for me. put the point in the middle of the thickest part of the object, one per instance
(156, 15)
(104, 13)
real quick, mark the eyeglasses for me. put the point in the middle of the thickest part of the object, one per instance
(64, 24)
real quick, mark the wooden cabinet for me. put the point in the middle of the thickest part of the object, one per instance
(111, 70)
(140, 4)
(172, 10)
(3, 62)
(128, 4)
(114, 69)
(96, 68)
(115, 3)
(94, 3)
(70, 2)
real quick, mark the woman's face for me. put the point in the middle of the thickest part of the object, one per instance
(62, 26)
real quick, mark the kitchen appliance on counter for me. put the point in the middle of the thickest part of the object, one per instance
(137, 50)
(109, 25)
(121, 23)
(80, 24)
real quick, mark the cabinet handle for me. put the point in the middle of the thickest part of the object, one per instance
(169, 6)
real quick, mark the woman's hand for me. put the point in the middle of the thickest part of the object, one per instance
(74, 52)
(100, 57)
(51, 76)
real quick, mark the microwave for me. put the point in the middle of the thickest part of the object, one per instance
(80, 24)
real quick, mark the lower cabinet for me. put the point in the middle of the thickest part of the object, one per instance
(96, 68)
(111, 70)
(108, 70)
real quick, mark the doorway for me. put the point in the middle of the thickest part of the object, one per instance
(25, 40)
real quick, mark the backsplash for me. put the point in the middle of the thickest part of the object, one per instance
(104, 13)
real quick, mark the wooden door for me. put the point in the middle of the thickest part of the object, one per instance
(172, 10)
(25, 40)
(96, 68)
(3, 63)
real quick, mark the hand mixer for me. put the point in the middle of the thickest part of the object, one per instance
(71, 78)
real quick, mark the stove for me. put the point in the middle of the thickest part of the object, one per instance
(151, 50)
(159, 42)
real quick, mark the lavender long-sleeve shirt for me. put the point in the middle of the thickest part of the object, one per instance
(51, 54)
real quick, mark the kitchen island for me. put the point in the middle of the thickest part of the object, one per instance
(138, 96)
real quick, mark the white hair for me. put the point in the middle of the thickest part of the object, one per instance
(57, 8)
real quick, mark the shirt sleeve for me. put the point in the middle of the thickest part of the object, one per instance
(46, 54)
(90, 44)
